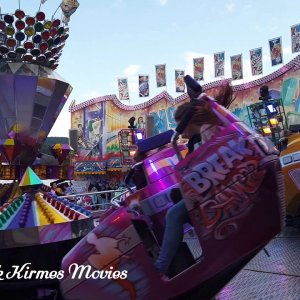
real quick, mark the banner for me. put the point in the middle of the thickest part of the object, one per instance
(179, 81)
(144, 85)
(236, 67)
(219, 60)
(115, 117)
(256, 61)
(160, 71)
(276, 51)
(68, 7)
(123, 89)
(295, 35)
(198, 68)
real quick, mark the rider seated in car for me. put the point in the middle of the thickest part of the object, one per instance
(207, 124)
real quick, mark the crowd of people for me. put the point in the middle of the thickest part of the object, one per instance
(61, 189)
(92, 201)
(102, 201)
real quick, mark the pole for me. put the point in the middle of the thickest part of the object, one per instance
(40, 5)
(55, 11)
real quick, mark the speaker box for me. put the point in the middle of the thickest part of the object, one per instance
(149, 126)
(73, 139)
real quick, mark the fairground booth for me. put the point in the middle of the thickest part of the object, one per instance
(100, 127)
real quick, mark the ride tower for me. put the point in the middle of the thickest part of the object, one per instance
(32, 94)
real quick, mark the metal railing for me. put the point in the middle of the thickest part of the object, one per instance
(98, 202)
(115, 201)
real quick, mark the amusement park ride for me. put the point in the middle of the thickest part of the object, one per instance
(33, 223)
(32, 94)
(228, 184)
(222, 205)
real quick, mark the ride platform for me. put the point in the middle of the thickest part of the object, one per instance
(273, 277)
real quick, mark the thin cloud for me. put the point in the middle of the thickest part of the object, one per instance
(87, 95)
(259, 28)
(230, 7)
(247, 6)
(174, 25)
(118, 3)
(274, 28)
(162, 2)
(131, 70)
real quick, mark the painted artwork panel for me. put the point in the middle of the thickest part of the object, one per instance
(276, 51)
(219, 62)
(236, 67)
(295, 36)
(160, 71)
(143, 85)
(123, 89)
(256, 61)
(198, 68)
(179, 81)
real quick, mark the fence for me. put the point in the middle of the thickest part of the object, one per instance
(98, 201)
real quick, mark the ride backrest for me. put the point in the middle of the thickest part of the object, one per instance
(229, 177)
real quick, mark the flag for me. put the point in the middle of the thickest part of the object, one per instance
(179, 81)
(123, 89)
(160, 71)
(236, 67)
(276, 51)
(69, 7)
(295, 35)
(256, 61)
(219, 60)
(198, 68)
(144, 85)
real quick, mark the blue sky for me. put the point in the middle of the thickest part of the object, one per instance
(124, 38)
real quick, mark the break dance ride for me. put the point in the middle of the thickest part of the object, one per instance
(232, 186)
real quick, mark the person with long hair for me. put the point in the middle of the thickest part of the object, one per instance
(205, 123)
(140, 123)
